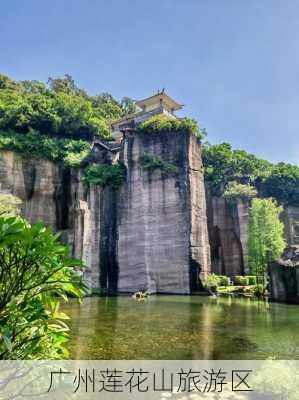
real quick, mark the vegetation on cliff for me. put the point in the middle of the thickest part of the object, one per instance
(236, 190)
(56, 121)
(224, 165)
(105, 175)
(150, 162)
(36, 272)
(69, 151)
(163, 123)
(59, 109)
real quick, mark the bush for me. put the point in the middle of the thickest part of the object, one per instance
(36, 272)
(259, 290)
(105, 175)
(151, 162)
(240, 280)
(164, 123)
(252, 280)
(212, 281)
(236, 190)
(223, 280)
(69, 151)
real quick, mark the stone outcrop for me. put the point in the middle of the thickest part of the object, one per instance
(151, 234)
(284, 276)
(228, 224)
(291, 223)
(163, 241)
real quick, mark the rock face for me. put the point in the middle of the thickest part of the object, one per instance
(163, 241)
(284, 276)
(228, 225)
(291, 223)
(152, 234)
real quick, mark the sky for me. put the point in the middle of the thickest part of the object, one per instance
(234, 64)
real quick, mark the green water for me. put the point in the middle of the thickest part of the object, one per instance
(182, 327)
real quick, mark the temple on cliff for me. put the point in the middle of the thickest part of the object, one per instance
(159, 103)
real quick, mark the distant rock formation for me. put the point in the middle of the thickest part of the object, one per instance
(284, 276)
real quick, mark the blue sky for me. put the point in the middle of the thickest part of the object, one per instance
(233, 63)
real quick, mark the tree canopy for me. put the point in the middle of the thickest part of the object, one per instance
(58, 108)
(224, 165)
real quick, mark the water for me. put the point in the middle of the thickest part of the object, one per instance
(182, 327)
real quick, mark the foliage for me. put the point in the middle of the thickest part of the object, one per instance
(223, 280)
(105, 175)
(164, 123)
(236, 190)
(266, 234)
(58, 109)
(9, 205)
(71, 152)
(35, 273)
(252, 280)
(151, 163)
(240, 280)
(222, 164)
(282, 184)
(212, 281)
(128, 105)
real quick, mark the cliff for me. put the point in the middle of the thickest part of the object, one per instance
(151, 234)
(162, 231)
(284, 276)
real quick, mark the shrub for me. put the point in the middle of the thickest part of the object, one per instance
(259, 290)
(164, 123)
(240, 280)
(236, 190)
(212, 281)
(69, 151)
(151, 162)
(105, 175)
(36, 272)
(252, 280)
(223, 280)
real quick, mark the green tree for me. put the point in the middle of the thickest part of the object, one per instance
(266, 235)
(36, 272)
(236, 190)
(283, 184)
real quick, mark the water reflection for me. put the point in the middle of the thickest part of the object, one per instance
(182, 327)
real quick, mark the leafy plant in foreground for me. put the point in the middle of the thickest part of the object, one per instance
(36, 272)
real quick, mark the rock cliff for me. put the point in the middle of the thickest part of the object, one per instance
(151, 234)
(284, 276)
(162, 231)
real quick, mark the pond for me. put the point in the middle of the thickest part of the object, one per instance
(183, 328)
